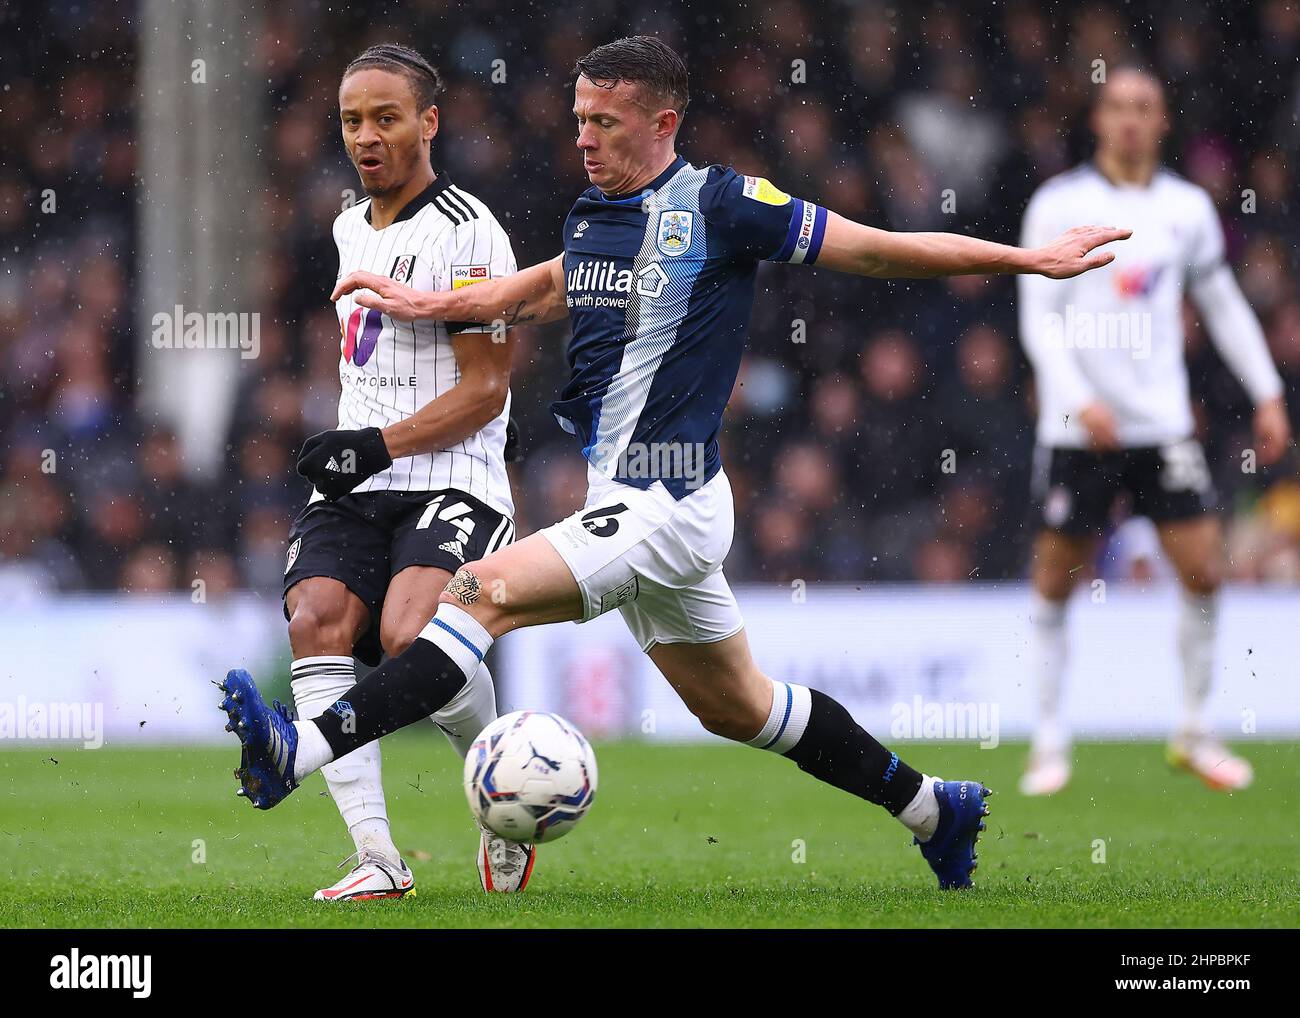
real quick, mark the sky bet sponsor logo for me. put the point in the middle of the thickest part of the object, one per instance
(75, 971)
(602, 284)
(467, 275)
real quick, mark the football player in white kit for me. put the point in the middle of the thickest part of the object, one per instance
(1114, 412)
(657, 280)
(413, 483)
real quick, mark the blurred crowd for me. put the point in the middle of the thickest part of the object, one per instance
(852, 389)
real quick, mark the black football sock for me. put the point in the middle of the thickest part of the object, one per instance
(821, 737)
(418, 682)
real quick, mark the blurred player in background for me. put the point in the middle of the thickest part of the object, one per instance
(1115, 415)
(657, 279)
(413, 484)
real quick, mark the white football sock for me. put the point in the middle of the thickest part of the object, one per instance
(313, 751)
(1197, 626)
(469, 712)
(786, 721)
(355, 781)
(1047, 660)
(459, 635)
(372, 836)
(921, 815)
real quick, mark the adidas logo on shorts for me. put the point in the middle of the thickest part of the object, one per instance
(453, 547)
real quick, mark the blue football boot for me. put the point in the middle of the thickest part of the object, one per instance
(951, 850)
(270, 740)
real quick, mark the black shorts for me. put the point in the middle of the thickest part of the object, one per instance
(1076, 489)
(365, 539)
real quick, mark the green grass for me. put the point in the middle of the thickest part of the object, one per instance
(679, 836)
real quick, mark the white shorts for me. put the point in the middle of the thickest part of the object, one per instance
(654, 558)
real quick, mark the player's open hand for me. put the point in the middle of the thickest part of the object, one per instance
(1074, 251)
(389, 297)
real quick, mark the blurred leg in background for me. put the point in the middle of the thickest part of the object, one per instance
(1195, 547)
(1058, 561)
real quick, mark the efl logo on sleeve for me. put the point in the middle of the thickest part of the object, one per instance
(764, 191)
(468, 275)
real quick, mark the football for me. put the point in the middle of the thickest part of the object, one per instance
(530, 776)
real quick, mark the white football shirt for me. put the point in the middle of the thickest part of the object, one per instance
(1115, 334)
(444, 239)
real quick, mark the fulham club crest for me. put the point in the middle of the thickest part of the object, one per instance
(403, 269)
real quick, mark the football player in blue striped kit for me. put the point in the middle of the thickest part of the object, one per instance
(657, 279)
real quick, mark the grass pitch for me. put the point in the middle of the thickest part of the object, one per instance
(678, 836)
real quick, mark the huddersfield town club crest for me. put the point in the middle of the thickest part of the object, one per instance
(674, 232)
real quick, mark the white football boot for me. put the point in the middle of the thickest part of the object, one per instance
(504, 865)
(371, 879)
(1046, 774)
(1211, 761)
(1048, 770)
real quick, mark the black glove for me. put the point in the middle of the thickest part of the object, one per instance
(513, 452)
(337, 461)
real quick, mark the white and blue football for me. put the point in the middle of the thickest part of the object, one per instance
(530, 776)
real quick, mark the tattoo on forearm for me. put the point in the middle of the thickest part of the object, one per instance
(515, 315)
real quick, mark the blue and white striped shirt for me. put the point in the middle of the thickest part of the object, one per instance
(660, 286)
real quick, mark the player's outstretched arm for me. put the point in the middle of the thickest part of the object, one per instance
(865, 251)
(532, 295)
